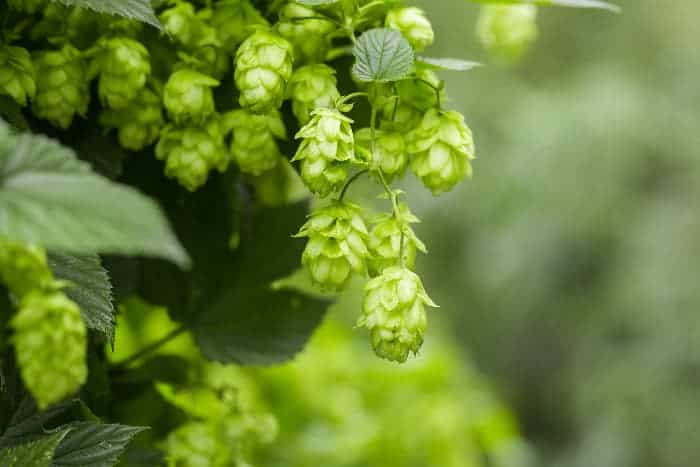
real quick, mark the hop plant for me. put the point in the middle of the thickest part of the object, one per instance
(24, 268)
(50, 345)
(234, 21)
(253, 146)
(309, 34)
(139, 124)
(389, 153)
(263, 68)
(312, 87)
(327, 143)
(17, 77)
(336, 245)
(442, 147)
(188, 97)
(507, 31)
(191, 152)
(393, 242)
(61, 86)
(394, 312)
(123, 65)
(413, 24)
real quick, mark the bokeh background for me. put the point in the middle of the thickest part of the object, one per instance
(569, 267)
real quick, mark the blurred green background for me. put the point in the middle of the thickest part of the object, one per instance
(569, 267)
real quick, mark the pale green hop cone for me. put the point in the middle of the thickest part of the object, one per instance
(309, 34)
(507, 31)
(253, 146)
(312, 87)
(413, 24)
(389, 155)
(188, 96)
(23, 268)
(385, 241)
(17, 75)
(139, 124)
(394, 312)
(441, 148)
(234, 21)
(123, 65)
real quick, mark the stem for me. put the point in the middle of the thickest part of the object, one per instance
(352, 96)
(435, 88)
(152, 347)
(349, 182)
(401, 242)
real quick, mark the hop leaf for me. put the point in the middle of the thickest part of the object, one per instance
(328, 142)
(123, 66)
(442, 147)
(50, 345)
(254, 147)
(337, 245)
(385, 241)
(188, 96)
(413, 24)
(139, 124)
(61, 86)
(234, 21)
(17, 77)
(27, 6)
(507, 31)
(263, 68)
(309, 34)
(394, 312)
(312, 87)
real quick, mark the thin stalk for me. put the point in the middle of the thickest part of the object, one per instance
(350, 181)
(152, 347)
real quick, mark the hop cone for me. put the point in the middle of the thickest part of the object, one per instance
(312, 87)
(385, 241)
(234, 21)
(50, 344)
(191, 152)
(507, 31)
(442, 147)
(389, 155)
(263, 68)
(328, 142)
(181, 23)
(61, 86)
(123, 65)
(17, 78)
(413, 24)
(254, 147)
(188, 97)
(394, 312)
(311, 38)
(23, 268)
(139, 124)
(336, 245)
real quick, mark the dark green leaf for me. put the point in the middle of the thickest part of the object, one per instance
(28, 423)
(382, 55)
(89, 287)
(139, 10)
(93, 444)
(33, 454)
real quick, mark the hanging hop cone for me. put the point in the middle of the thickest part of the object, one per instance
(507, 31)
(413, 24)
(191, 152)
(253, 146)
(336, 245)
(312, 87)
(181, 23)
(327, 144)
(234, 21)
(389, 154)
(394, 312)
(123, 67)
(385, 241)
(61, 86)
(263, 68)
(441, 147)
(17, 77)
(23, 268)
(188, 96)
(139, 124)
(309, 34)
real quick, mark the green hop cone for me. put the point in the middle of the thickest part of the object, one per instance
(188, 97)
(327, 145)
(394, 312)
(306, 31)
(336, 245)
(385, 241)
(27, 6)
(312, 87)
(50, 345)
(123, 66)
(507, 31)
(263, 68)
(17, 77)
(181, 23)
(442, 147)
(61, 86)
(413, 24)
(234, 21)
(389, 155)
(253, 146)
(191, 152)
(139, 124)
(24, 268)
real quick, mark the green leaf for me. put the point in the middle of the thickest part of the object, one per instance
(49, 197)
(28, 423)
(89, 287)
(599, 4)
(34, 454)
(139, 10)
(448, 64)
(93, 444)
(316, 2)
(382, 55)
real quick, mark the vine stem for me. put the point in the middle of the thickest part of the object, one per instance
(349, 182)
(152, 347)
